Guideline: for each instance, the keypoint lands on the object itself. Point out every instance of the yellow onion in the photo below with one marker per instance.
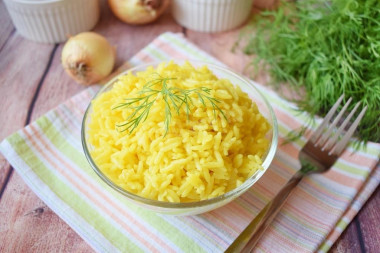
(88, 57)
(138, 12)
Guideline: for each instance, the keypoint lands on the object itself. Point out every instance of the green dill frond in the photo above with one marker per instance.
(322, 49)
(173, 97)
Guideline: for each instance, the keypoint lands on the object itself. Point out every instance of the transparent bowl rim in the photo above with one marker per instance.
(182, 205)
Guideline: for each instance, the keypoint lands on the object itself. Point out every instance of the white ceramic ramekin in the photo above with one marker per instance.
(211, 15)
(52, 21)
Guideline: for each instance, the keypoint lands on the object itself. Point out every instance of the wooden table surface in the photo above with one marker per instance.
(32, 81)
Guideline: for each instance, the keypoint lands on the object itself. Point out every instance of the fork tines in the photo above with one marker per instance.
(327, 138)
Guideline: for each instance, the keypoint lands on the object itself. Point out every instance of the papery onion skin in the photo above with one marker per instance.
(88, 57)
(138, 12)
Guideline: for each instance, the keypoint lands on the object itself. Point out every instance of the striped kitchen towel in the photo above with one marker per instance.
(48, 156)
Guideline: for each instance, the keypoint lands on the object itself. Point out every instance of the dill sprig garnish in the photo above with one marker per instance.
(322, 49)
(174, 97)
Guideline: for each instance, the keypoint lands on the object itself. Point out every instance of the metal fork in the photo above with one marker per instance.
(317, 156)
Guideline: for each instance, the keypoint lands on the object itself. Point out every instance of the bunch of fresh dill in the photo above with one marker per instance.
(324, 49)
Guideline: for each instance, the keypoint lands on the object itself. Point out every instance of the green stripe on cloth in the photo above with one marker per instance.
(129, 228)
(58, 140)
(64, 192)
(356, 171)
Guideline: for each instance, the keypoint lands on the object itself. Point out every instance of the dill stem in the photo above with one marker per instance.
(173, 97)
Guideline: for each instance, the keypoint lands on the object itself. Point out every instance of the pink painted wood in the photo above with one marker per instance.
(32, 82)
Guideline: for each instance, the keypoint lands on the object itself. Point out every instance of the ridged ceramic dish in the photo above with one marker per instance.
(211, 15)
(52, 21)
(192, 208)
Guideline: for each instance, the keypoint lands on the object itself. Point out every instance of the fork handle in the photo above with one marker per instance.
(248, 239)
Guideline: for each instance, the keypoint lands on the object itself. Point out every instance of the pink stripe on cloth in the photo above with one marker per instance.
(304, 198)
(69, 172)
(352, 210)
(311, 220)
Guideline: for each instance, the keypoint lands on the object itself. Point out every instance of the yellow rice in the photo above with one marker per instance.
(201, 156)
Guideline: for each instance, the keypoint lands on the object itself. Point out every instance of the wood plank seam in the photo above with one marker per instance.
(184, 31)
(7, 177)
(360, 234)
(6, 41)
(37, 92)
(30, 110)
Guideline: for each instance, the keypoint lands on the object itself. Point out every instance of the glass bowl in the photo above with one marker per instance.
(192, 208)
